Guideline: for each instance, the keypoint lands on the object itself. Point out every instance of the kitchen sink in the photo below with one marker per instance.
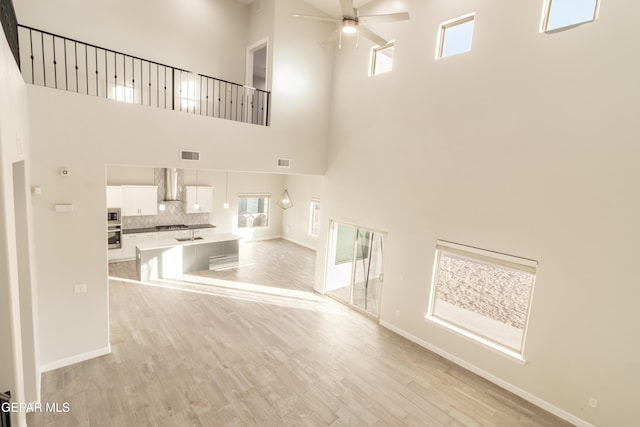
(186, 239)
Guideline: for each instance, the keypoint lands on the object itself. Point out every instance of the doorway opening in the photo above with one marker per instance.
(355, 267)
(257, 78)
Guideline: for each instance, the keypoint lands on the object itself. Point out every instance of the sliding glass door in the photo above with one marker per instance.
(355, 266)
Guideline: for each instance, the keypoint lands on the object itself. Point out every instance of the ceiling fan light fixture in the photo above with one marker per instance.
(349, 26)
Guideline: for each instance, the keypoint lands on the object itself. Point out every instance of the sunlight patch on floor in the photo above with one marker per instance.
(252, 292)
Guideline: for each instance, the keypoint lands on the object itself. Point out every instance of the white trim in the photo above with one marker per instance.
(469, 17)
(289, 239)
(546, 15)
(541, 403)
(512, 261)
(75, 359)
(471, 336)
(249, 62)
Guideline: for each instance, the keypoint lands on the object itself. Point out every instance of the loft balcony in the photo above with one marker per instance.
(62, 63)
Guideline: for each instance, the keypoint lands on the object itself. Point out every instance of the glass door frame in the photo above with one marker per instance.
(331, 256)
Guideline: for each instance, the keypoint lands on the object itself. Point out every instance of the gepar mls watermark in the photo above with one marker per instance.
(60, 407)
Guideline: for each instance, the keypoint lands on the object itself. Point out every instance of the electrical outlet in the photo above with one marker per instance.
(80, 288)
(397, 313)
(593, 402)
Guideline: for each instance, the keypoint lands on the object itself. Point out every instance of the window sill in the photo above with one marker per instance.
(470, 336)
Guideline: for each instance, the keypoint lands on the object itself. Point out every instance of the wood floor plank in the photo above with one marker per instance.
(200, 350)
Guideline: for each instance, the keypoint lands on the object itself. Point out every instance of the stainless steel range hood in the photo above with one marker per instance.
(171, 185)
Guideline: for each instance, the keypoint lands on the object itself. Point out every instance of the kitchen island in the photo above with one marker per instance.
(173, 257)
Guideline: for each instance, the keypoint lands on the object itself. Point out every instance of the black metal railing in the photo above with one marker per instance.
(63, 63)
(5, 410)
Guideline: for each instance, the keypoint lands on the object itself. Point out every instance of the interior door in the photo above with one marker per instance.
(355, 267)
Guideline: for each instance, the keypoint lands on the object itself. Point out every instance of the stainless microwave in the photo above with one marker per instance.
(113, 216)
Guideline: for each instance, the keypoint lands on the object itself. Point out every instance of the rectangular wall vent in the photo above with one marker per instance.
(284, 163)
(189, 155)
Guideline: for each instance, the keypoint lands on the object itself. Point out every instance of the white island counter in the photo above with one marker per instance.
(171, 257)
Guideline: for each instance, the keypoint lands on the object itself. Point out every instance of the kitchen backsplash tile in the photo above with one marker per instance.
(174, 212)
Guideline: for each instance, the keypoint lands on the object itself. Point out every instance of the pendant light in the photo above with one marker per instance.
(226, 192)
(285, 200)
(196, 205)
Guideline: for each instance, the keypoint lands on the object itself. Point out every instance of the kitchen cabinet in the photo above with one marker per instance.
(114, 254)
(138, 200)
(129, 242)
(201, 194)
(204, 232)
(114, 196)
(217, 251)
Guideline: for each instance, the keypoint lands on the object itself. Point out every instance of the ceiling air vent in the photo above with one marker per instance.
(189, 155)
(283, 163)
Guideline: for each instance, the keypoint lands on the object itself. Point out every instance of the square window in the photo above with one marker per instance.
(483, 295)
(455, 36)
(314, 217)
(566, 13)
(253, 211)
(381, 59)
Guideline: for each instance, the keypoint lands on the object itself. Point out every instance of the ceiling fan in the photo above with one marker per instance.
(351, 22)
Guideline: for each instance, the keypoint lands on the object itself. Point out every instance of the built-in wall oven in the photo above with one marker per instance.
(114, 229)
(114, 237)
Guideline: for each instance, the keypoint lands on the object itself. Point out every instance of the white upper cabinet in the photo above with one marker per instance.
(114, 196)
(139, 200)
(201, 196)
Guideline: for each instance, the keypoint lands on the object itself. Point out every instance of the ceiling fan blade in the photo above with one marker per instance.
(367, 33)
(347, 8)
(381, 19)
(317, 18)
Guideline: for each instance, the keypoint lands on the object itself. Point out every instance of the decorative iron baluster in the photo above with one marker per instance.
(66, 76)
(44, 67)
(75, 50)
(86, 65)
(31, 56)
(55, 64)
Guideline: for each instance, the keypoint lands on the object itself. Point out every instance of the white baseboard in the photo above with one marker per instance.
(299, 243)
(75, 359)
(490, 377)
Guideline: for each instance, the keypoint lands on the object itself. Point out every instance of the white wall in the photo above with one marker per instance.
(203, 36)
(16, 340)
(296, 220)
(527, 145)
(301, 88)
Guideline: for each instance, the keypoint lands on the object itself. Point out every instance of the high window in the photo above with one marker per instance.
(314, 217)
(253, 210)
(483, 295)
(566, 13)
(381, 59)
(455, 36)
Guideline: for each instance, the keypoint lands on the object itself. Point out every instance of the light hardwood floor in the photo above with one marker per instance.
(205, 351)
